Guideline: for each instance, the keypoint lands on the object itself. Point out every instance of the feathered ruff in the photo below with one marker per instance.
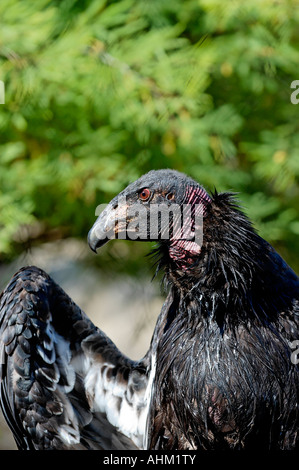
(231, 383)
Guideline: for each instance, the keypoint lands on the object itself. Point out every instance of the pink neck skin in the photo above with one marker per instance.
(183, 250)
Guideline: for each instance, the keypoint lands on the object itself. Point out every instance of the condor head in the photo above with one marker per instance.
(162, 205)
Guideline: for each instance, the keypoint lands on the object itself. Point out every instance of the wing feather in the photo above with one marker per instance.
(63, 383)
(117, 386)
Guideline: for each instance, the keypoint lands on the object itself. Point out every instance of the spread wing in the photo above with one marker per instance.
(63, 383)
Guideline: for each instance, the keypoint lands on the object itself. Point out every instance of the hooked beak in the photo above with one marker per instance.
(93, 241)
(120, 219)
(110, 224)
(103, 229)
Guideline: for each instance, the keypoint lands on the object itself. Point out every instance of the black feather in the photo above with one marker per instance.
(227, 340)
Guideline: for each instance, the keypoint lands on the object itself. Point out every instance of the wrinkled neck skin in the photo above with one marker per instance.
(185, 247)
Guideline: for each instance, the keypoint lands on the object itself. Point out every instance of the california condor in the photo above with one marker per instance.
(222, 368)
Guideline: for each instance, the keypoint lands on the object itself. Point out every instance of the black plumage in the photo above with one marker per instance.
(221, 371)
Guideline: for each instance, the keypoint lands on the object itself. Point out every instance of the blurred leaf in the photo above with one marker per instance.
(99, 92)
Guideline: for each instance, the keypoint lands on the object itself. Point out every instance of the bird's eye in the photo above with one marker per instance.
(169, 196)
(144, 194)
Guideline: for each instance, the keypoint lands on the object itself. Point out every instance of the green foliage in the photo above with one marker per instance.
(99, 92)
